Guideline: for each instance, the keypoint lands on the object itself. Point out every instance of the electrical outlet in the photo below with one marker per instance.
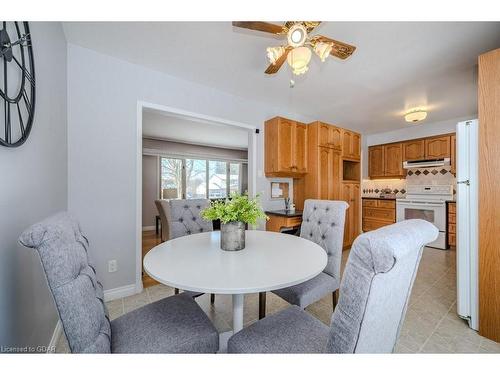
(112, 265)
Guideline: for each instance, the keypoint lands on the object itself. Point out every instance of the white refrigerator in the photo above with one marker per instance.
(467, 221)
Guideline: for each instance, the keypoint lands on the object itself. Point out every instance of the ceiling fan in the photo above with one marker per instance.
(297, 50)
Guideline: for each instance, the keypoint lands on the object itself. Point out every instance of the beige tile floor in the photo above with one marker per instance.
(431, 324)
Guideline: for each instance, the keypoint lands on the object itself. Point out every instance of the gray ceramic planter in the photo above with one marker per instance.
(232, 236)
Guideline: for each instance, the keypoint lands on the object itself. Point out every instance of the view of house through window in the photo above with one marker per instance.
(199, 178)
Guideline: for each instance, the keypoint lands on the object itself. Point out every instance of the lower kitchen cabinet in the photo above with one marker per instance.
(351, 194)
(452, 224)
(378, 213)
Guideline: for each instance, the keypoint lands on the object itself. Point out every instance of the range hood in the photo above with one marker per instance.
(426, 163)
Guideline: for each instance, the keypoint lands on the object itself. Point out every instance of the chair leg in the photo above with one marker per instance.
(212, 298)
(335, 298)
(176, 290)
(262, 305)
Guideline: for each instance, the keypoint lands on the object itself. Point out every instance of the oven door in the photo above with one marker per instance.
(433, 212)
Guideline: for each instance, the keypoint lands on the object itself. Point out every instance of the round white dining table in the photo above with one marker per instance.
(269, 261)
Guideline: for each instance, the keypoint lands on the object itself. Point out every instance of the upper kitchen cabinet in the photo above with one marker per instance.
(285, 148)
(437, 147)
(351, 144)
(414, 150)
(386, 161)
(328, 135)
(393, 160)
(376, 161)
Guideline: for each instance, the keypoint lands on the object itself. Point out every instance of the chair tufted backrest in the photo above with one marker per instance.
(323, 223)
(72, 279)
(183, 217)
(376, 287)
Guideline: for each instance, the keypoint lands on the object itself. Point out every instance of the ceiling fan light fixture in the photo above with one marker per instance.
(297, 35)
(274, 53)
(415, 115)
(323, 50)
(298, 59)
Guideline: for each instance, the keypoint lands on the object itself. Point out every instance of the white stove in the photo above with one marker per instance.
(427, 202)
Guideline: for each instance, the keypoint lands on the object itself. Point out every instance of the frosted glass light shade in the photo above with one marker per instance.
(298, 59)
(323, 50)
(415, 115)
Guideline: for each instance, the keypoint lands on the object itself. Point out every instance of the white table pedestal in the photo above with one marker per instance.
(238, 300)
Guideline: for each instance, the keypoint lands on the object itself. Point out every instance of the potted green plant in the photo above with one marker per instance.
(233, 214)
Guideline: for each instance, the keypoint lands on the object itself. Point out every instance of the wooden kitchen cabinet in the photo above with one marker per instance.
(437, 147)
(299, 147)
(285, 148)
(351, 195)
(414, 150)
(329, 135)
(323, 180)
(452, 224)
(378, 213)
(386, 160)
(376, 161)
(393, 160)
(351, 144)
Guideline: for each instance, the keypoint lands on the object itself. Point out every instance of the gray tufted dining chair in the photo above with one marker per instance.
(174, 324)
(374, 295)
(323, 223)
(181, 217)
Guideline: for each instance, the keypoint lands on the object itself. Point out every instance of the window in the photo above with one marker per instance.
(196, 178)
(199, 178)
(234, 177)
(171, 178)
(217, 179)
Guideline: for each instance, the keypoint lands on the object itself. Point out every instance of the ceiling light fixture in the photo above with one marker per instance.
(415, 115)
(299, 45)
(298, 59)
(323, 50)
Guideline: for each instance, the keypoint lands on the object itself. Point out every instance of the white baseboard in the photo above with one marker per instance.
(120, 292)
(151, 227)
(55, 337)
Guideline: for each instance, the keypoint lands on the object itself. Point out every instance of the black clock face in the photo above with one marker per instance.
(17, 83)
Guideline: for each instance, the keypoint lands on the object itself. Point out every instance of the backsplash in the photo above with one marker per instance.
(430, 176)
(415, 176)
(373, 188)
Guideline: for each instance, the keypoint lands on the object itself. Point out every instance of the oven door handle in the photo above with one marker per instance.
(405, 204)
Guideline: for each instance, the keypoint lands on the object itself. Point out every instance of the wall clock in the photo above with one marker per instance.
(17, 83)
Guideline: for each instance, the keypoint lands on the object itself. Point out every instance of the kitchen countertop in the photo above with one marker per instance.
(296, 213)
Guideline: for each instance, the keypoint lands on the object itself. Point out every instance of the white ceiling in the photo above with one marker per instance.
(160, 125)
(396, 66)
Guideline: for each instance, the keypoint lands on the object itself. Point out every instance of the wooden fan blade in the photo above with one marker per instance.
(273, 68)
(339, 49)
(260, 26)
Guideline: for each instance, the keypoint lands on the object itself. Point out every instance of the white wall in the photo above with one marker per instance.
(33, 186)
(413, 131)
(150, 189)
(102, 146)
